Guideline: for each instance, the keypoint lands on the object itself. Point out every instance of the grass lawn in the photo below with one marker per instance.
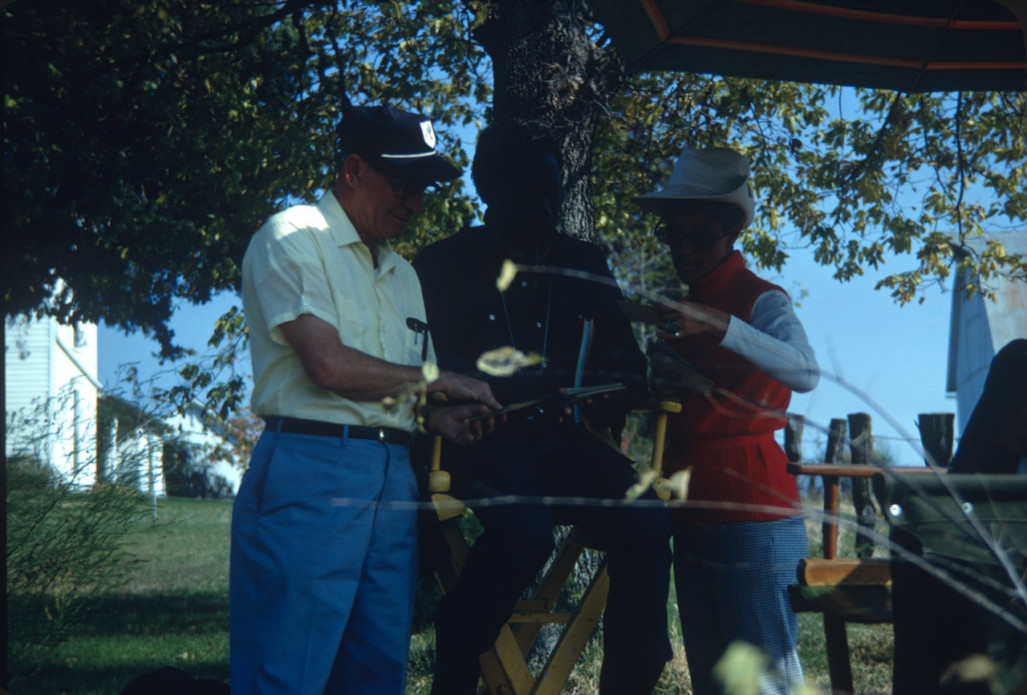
(174, 612)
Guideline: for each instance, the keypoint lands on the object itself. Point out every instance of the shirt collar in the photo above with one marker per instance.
(344, 233)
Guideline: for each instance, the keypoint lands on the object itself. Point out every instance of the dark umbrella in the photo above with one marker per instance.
(904, 45)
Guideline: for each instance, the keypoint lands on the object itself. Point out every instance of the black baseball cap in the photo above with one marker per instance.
(400, 142)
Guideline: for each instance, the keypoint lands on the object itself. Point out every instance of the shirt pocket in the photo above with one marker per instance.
(415, 343)
(379, 333)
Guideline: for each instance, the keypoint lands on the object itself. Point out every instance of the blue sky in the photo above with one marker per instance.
(876, 356)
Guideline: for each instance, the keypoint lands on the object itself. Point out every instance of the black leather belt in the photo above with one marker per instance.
(292, 425)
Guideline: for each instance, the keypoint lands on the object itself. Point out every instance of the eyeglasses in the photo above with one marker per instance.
(700, 237)
(403, 189)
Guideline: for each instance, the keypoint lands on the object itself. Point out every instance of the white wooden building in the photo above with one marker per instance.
(52, 398)
(133, 454)
(203, 434)
(51, 391)
(980, 328)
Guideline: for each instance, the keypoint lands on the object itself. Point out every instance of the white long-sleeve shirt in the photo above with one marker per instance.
(775, 341)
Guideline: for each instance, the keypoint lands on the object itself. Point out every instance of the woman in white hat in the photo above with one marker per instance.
(739, 537)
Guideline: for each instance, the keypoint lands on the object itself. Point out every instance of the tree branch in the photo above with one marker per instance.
(248, 29)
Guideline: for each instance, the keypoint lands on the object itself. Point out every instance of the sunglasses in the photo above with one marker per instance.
(402, 188)
(699, 237)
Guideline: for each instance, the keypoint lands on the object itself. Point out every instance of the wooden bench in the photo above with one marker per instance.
(843, 589)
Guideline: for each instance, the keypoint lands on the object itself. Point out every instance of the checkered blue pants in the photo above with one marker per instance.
(732, 585)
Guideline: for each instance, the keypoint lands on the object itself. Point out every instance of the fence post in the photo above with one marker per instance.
(936, 436)
(862, 446)
(835, 441)
(836, 638)
(793, 437)
(836, 433)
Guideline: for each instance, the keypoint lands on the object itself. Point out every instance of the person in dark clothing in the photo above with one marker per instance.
(517, 175)
(939, 624)
(995, 439)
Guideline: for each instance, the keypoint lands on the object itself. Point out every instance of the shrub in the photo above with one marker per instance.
(64, 547)
(188, 473)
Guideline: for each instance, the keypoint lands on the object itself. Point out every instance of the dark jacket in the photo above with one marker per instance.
(539, 312)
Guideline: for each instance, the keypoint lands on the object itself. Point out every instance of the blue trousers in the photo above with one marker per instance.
(732, 585)
(323, 568)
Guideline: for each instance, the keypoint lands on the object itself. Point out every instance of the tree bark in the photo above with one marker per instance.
(549, 74)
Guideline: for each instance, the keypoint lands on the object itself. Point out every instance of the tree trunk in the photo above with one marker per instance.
(549, 74)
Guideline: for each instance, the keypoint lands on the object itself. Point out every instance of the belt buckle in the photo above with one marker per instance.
(381, 434)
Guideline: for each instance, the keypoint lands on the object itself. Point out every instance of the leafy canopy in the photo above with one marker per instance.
(145, 141)
(852, 176)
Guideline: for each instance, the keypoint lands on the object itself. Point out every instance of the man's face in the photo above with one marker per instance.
(383, 204)
(531, 195)
(697, 245)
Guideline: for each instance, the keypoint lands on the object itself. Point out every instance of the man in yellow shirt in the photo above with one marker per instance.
(323, 562)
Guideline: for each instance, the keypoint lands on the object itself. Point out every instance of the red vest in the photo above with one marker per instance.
(727, 438)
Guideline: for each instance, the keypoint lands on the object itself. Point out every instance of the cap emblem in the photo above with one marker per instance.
(429, 134)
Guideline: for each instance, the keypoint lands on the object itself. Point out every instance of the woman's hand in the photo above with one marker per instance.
(689, 318)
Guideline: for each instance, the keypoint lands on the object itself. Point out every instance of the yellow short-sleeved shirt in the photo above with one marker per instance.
(309, 260)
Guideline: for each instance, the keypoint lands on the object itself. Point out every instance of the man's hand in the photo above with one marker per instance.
(458, 387)
(451, 421)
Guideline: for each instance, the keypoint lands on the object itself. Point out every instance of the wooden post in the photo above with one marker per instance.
(836, 638)
(793, 437)
(835, 441)
(836, 433)
(936, 436)
(862, 445)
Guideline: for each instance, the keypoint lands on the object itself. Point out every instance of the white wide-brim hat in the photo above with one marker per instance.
(716, 173)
